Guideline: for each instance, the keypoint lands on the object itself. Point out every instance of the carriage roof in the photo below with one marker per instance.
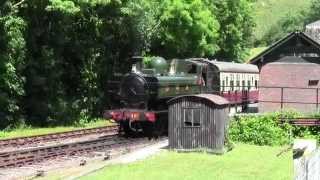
(228, 66)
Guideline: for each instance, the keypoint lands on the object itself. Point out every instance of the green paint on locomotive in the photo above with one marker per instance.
(170, 86)
(174, 83)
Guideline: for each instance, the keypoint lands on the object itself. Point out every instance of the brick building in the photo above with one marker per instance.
(289, 74)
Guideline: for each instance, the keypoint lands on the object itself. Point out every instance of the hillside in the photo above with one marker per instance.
(269, 12)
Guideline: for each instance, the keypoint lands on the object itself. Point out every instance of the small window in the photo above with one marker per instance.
(192, 69)
(313, 82)
(249, 85)
(231, 85)
(243, 84)
(191, 117)
(256, 84)
(238, 84)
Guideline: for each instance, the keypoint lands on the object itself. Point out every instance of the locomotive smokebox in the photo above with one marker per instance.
(133, 90)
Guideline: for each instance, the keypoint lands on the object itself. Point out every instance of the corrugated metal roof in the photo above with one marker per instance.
(234, 67)
(210, 97)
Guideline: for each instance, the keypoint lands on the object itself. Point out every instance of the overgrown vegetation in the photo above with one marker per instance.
(57, 55)
(267, 129)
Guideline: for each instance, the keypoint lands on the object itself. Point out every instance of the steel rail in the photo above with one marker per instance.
(19, 141)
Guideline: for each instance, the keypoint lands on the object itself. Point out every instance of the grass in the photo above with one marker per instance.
(245, 162)
(28, 131)
(269, 12)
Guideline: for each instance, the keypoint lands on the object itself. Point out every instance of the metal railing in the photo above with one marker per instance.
(282, 100)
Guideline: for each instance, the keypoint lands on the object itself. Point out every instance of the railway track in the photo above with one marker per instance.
(24, 157)
(37, 139)
(27, 156)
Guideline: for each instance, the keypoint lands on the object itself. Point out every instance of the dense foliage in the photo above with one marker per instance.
(57, 55)
(266, 129)
(237, 24)
(12, 55)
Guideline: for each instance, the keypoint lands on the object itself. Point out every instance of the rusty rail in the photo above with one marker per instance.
(302, 121)
(19, 141)
(24, 157)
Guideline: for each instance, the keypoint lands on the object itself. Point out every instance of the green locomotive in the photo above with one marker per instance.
(142, 94)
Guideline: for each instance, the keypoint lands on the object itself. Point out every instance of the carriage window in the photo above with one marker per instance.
(222, 86)
(231, 85)
(243, 84)
(227, 81)
(238, 84)
(249, 84)
(191, 117)
(256, 83)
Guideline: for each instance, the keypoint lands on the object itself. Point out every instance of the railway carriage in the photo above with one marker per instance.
(143, 93)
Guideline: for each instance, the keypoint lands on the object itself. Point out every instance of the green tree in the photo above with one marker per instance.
(314, 13)
(188, 29)
(72, 47)
(12, 54)
(236, 20)
(143, 18)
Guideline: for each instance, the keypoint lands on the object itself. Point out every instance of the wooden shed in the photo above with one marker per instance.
(198, 122)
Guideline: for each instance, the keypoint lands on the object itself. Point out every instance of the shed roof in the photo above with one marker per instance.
(215, 99)
(282, 41)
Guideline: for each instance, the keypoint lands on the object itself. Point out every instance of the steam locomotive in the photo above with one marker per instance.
(142, 95)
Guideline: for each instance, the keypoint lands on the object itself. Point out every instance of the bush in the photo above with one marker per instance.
(266, 129)
(258, 129)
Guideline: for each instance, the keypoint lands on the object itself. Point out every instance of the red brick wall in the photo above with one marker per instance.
(292, 76)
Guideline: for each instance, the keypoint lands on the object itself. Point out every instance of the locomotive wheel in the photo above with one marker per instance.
(148, 129)
(160, 127)
(128, 132)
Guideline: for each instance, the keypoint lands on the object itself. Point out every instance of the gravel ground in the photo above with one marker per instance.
(70, 168)
(127, 158)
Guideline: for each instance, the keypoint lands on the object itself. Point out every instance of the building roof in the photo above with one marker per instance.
(215, 99)
(274, 46)
(292, 59)
(313, 25)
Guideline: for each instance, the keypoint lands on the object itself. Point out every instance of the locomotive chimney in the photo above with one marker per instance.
(136, 64)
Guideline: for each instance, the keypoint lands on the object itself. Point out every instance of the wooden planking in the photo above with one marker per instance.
(210, 134)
